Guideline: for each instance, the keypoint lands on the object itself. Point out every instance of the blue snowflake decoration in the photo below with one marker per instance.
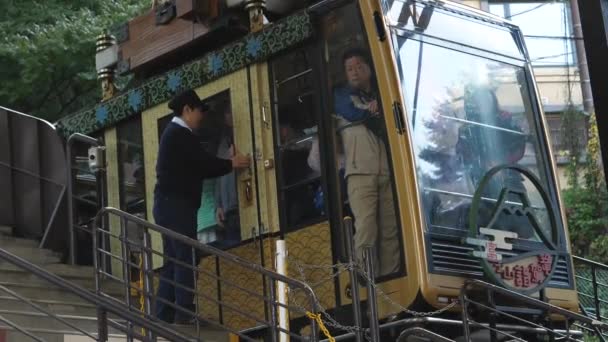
(174, 81)
(254, 46)
(216, 63)
(135, 99)
(101, 114)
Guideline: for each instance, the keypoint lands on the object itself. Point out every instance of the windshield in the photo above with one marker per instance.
(469, 114)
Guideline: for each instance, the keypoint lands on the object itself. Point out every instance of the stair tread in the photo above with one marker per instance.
(42, 302)
(62, 270)
(108, 288)
(16, 241)
(6, 230)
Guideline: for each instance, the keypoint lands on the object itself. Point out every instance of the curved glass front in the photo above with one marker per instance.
(470, 112)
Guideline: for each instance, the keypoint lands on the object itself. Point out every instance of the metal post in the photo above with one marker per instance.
(372, 301)
(465, 314)
(273, 311)
(93, 142)
(102, 325)
(125, 271)
(196, 309)
(581, 55)
(148, 278)
(281, 268)
(594, 24)
(104, 220)
(596, 297)
(354, 283)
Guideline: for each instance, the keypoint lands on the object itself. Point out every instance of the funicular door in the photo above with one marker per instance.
(237, 229)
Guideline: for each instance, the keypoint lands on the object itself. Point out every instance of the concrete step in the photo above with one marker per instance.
(7, 240)
(57, 336)
(56, 306)
(33, 319)
(62, 270)
(42, 291)
(33, 255)
(54, 331)
(6, 230)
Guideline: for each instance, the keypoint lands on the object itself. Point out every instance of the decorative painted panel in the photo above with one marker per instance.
(253, 48)
(307, 247)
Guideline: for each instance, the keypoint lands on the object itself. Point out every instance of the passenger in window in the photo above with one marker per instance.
(226, 201)
(367, 171)
(314, 162)
(493, 138)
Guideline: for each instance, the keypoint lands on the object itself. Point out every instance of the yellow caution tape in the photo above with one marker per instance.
(317, 317)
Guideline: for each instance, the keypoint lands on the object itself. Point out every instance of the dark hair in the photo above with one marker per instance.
(187, 98)
(356, 52)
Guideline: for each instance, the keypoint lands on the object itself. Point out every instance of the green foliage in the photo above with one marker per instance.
(587, 205)
(47, 52)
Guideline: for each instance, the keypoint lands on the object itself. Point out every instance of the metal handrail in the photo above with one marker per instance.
(147, 271)
(421, 332)
(597, 301)
(101, 302)
(492, 290)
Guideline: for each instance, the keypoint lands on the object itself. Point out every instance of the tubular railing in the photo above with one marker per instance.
(592, 287)
(103, 304)
(478, 301)
(245, 298)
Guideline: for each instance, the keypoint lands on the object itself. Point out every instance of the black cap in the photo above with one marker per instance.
(188, 97)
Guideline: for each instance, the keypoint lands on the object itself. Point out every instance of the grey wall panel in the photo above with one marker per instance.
(6, 179)
(25, 142)
(53, 167)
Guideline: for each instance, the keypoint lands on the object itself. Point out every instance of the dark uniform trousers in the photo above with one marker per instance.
(178, 215)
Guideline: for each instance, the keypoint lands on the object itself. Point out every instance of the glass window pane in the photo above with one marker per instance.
(467, 117)
(296, 126)
(455, 28)
(545, 25)
(131, 167)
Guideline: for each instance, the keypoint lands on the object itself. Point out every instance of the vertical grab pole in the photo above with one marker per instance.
(281, 268)
(372, 301)
(354, 284)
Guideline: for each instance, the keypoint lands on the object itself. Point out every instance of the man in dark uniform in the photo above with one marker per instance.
(181, 167)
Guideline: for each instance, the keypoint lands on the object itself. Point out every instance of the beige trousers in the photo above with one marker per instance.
(371, 201)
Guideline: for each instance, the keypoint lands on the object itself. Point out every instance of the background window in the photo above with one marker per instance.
(546, 26)
(131, 168)
(301, 189)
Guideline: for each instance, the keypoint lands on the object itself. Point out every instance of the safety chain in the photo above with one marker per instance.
(328, 321)
(317, 317)
(400, 307)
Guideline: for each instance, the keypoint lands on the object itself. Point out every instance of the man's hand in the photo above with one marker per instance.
(239, 161)
(219, 217)
(373, 108)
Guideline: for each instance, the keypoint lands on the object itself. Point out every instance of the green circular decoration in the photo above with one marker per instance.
(551, 242)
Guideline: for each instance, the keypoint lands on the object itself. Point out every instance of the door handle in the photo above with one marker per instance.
(248, 190)
(264, 117)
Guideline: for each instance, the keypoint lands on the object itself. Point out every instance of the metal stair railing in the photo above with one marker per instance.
(102, 303)
(592, 287)
(479, 301)
(232, 306)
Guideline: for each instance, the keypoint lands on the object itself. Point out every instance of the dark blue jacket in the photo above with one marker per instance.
(183, 164)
